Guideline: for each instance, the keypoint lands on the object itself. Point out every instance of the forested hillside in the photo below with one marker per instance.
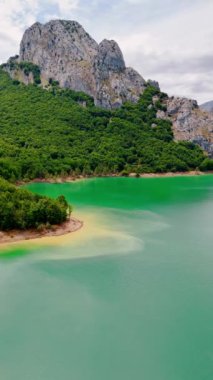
(56, 132)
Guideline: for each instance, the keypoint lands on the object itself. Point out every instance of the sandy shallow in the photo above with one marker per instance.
(79, 231)
(96, 238)
(7, 238)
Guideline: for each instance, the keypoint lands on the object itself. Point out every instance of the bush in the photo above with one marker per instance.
(207, 164)
(125, 173)
(28, 68)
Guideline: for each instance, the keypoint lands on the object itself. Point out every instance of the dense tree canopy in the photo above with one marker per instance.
(55, 132)
(21, 209)
(60, 132)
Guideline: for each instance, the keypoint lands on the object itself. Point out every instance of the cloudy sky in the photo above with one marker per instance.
(167, 40)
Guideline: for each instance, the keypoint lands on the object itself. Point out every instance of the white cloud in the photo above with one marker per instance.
(170, 41)
(136, 1)
(173, 50)
(17, 15)
(67, 6)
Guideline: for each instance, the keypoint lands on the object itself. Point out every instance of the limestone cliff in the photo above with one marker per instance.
(208, 106)
(66, 53)
(190, 123)
(63, 51)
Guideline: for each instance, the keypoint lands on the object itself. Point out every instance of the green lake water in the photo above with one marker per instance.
(131, 298)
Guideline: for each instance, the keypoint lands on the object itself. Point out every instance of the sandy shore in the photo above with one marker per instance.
(68, 179)
(169, 174)
(58, 230)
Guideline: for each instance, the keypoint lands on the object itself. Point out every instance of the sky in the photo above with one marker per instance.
(170, 41)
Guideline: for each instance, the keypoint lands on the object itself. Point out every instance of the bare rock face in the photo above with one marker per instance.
(63, 51)
(66, 53)
(109, 59)
(208, 106)
(115, 83)
(190, 123)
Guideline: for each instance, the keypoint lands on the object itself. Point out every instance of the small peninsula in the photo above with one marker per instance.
(25, 215)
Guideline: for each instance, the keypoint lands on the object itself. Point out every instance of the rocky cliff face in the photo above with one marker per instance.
(190, 123)
(66, 53)
(208, 106)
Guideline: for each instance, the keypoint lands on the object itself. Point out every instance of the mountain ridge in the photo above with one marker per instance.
(49, 133)
(207, 106)
(62, 53)
(65, 52)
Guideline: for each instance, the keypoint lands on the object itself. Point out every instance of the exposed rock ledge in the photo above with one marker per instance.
(65, 52)
(190, 123)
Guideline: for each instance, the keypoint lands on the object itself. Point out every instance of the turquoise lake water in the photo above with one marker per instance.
(130, 296)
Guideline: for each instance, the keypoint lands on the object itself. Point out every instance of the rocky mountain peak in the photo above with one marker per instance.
(110, 56)
(65, 52)
(57, 38)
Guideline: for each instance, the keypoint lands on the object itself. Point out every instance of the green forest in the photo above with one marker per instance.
(21, 209)
(59, 132)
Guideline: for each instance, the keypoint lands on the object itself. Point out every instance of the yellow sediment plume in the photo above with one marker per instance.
(96, 237)
(90, 228)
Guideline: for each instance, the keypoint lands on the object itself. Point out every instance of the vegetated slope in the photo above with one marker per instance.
(61, 51)
(47, 133)
(189, 122)
(21, 209)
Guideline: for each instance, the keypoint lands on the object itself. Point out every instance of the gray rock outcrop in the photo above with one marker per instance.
(189, 122)
(66, 53)
(208, 106)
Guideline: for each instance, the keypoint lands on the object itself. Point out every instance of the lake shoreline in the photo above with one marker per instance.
(17, 236)
(73, 225)
(67, 179)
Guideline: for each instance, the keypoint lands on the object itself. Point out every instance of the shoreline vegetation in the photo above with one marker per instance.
(14, 236)
(69, 178)
(50, 134)
(73, 224)
(25, 215)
